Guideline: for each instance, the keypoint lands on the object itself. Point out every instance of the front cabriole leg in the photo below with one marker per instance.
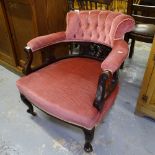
(89, 135)
(30, 107)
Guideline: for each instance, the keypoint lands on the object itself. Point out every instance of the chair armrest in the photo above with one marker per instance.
(116, 57)
(47, 40)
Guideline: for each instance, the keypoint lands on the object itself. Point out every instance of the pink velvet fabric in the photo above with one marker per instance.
(116, 57)
(98, 26)
(67, 91)
(44, 41)
(93, 26)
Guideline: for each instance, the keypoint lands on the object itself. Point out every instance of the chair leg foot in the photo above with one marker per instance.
(31, 112)
(89, 135)
(88, 147)
(30, 107)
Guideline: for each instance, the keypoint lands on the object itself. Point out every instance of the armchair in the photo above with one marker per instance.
(78, 89)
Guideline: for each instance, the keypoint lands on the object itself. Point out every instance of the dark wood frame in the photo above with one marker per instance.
(106, 85)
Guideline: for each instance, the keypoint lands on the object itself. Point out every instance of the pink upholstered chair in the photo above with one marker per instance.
(78, 89)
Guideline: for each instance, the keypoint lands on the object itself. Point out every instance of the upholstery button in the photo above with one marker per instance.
(103, 29)
(82, 34)
(74, 35)
(88, 25)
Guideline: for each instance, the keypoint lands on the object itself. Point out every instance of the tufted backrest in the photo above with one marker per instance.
(98, 26)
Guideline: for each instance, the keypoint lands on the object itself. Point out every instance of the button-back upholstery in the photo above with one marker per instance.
(103, 27)
(97, 26)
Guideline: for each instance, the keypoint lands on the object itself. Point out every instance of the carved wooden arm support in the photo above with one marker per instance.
(106, 84)
(29, 58)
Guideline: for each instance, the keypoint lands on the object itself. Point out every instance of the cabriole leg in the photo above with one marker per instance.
(89, 135)
(30, 107)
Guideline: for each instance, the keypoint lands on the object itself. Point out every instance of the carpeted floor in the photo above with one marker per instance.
(121, 133)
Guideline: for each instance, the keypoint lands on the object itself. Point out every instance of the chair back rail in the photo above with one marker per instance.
(143, 19)
(141, 13)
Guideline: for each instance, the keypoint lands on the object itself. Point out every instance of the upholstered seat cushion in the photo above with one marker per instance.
(144, 30)
(66, 90)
